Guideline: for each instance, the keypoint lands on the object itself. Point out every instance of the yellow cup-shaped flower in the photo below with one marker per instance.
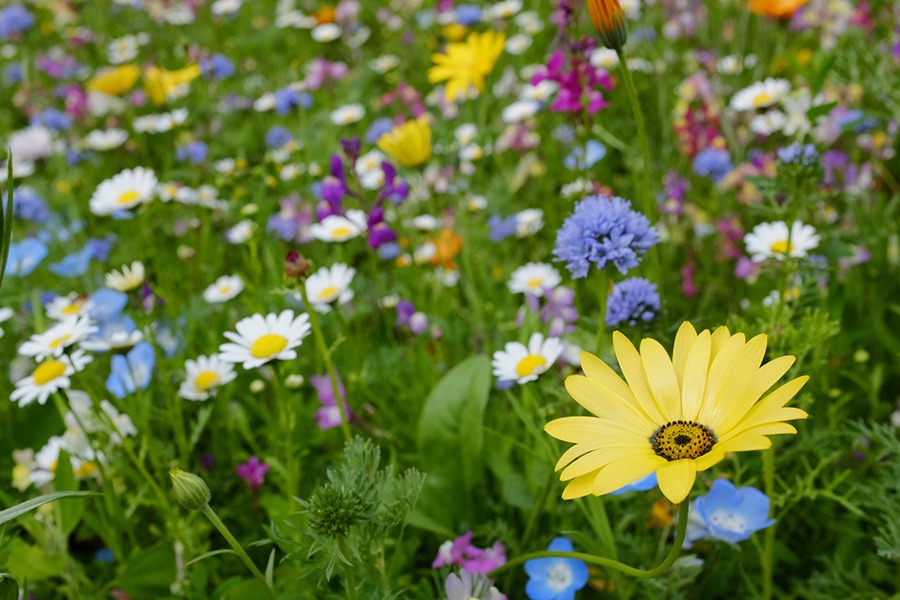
(159, 83)
(776, 9)
(672, 416)
(115, 82)
(609, 22)
(409, 144)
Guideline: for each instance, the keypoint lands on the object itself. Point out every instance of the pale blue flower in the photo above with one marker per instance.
(555, 578)
(131, 371)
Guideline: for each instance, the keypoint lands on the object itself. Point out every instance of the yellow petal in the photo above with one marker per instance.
(581, 429)
(719, 337)
(696, 371)
(608, 404)
(684, 341)
(771, 428)
(744, 399)
(709, 459)
(718, 371)
(676, 478)
(579, 487)
(745, 443)
(620, 473)
(633, 369)
(600, 458)
(661, 379)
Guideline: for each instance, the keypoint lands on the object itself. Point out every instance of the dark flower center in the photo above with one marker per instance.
(682, 439)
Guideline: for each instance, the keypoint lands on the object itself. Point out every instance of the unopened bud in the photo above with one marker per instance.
(296, 266)
(608, 20)
(191, 491)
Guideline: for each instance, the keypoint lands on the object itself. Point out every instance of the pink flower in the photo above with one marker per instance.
(253, 472)
(460, 552)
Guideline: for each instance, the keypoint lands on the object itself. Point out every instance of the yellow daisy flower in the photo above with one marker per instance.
(467, 64)
(410, 143)
(115, 81)
(672, 416)
(161, 84)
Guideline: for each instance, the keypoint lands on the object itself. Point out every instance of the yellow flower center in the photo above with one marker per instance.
(224, 289)
(682, 439)
(267, 345)
(331, 290)
(535, 282)
(528, 365)
(48, 371)
(206, 379)
(762, 99)
(781, 247)
(341, 231)
(86, 470)
(72, 309)
(60, 340)
(128, 196)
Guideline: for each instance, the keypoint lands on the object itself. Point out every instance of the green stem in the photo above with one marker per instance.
(767, 558)
(604, 296)
(649, 204)
(656, 571)
(351, 578)
(329, 365)
(286, 425)
(236, 546)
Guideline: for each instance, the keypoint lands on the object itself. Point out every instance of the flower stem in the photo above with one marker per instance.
(329, 365)
(286, 425)
(236, 546)
(604, 296)
(656, 571)
(767, 558)
(649, 204)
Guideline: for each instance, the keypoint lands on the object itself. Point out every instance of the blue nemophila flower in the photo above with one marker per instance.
(603, 230)
(52, 119)
(729, 513)
(278, 136)
(555, 578)
(73, 265)
(28, 205)
(24, 257)
(585, 157)
(195, 152)
(501, 228)
(131, 371)
(713, 163)
(633, 300)
(796, 153)
(648, 482)
(106, 304)
(217, 66)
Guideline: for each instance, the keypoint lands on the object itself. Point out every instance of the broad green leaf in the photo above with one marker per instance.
(33, 563)
(9, 587)
(20, 509)
(68, 514)
(6, 221)
(818, 111)
(148, 572)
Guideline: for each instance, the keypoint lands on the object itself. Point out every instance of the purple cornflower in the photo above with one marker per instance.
(408, 316)
(603, 230)
(461, 552)
(253, 472)
(675, 189)
(292, 222)
(631, 301)
(713, 163)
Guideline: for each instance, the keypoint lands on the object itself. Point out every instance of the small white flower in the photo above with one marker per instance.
(241, 232)
(384, 63)
(529, 222)
(518, 44)
(534, 279)
(55, 341)
(126, 190)
(30, 144)
(425, 222)
(225, 288)
(768, 123)
(520, 363)
(63, 307)
(204, 375)
(326, 32)
(465, 134)
(729, 65)
(503, 9)
(260, 339)
(337, 228)
(604, 58)
(760, 95)
(122, 49)
(129, 279)
(520, 110)
(330, 285)
(775, 240)
(105, 139)
(5, 314)
(348, 114)
(48, 377)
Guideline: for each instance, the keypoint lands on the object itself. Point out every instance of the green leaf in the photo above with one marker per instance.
(148, 572)
(818, 111)
(33, 563)
(68, 514)
(9, 587)
(203, 416)
(450, 438)
(20, 509)
(211, 553)
(6, 222)
(516, 492)
(270, 569)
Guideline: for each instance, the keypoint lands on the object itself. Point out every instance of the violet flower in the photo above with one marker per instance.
(253, 472)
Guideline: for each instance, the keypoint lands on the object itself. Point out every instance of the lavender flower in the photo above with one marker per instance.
(713, 163)
(278, 136)
(603, 230)
(798, 154)
(253, 472)
(501, 228)
(632, 300)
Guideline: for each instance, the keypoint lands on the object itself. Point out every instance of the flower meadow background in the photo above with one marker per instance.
(319, 272)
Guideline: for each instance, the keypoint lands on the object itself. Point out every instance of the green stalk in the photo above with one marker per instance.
(236, 546)
(649, 204)
(767, 560)
(603, 297)
(609, 563)
(286, 425)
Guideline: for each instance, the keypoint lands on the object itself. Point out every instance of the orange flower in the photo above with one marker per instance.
(447, 245)
(776, 9)
(324, 15)
(609, 21)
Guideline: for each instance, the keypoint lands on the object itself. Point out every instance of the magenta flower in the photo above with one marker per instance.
(253, 472)
(329, 415)
(461, 552)
(578, 80)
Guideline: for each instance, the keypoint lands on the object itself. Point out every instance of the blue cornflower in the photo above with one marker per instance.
(643, 484)
(73, 265)
(586, 157)
(13, 74)
(378, 128)
(603, 230)
(28, 205)
(555, 578)
(14, 19)
(194, 152)
(468, 14)
(24, 257)
(100, 247)
(632, 300)
(52, 119)
(217, 66)
(731, 514)
(132, 371)
(796, 153)
(278, 136)
(502, 228)
(713, 163)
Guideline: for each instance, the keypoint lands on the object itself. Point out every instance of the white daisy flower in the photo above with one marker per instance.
(384, 63)
(48, 377)
(530, 22)
(71, 305)
(241, 232)
(264, 103)
(775, 240)
(729, 65)
(760, 95)
(604, 58)
(348, 114)
(204, 375)
(114, 336)
(43, 468)
(534, 279)
(425, 222)
(122, 49)
(82, 413)
(337, 228)
(465, 134)
(260, 339)
(542, 92)
(124, 191)
(519, 111)
(222, 8)
(225, 288)
(768, 123)
(105, 139)
(326, 32)
(31, 144)
(520, 363)
(58, 338)
(368, 162)
(5, 314)
(796, 107)
(529, 222)
(518, 44)
(130, 278)
(330, 285)
(504, 9)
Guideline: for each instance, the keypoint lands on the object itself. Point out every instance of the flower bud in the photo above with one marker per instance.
(609, 22)
(191, 491)
(296, 266)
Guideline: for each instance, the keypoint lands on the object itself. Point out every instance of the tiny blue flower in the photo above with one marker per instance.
(218, 66)
(585, 158)
(555, 578)
(73, 265)
(106, 304)
(132, 371)
(796, 153)
(28, 205)
(631, 301)
(502, 228)
(278, 136)
(733, 514)
(14, 19)
(24, 257)
(194, 152)
(378, 128)
(468, 14)
(713, 163)
(52, 119)
(603, 230)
